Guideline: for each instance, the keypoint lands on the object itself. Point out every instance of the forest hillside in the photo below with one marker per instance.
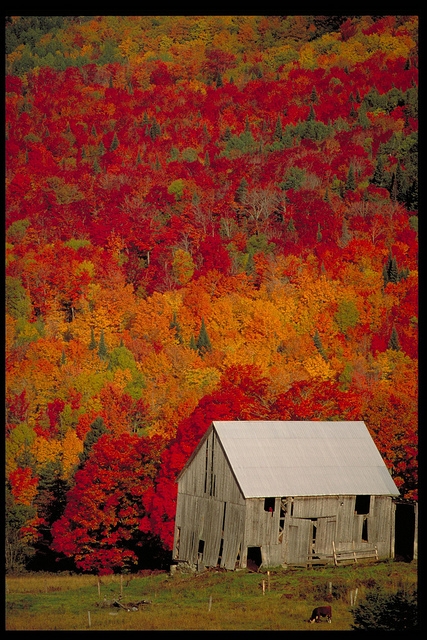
(207, 217)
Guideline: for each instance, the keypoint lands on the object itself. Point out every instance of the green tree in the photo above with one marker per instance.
(17, 549)
(378, 177)
(241, 190)
(381, 611)
(278, 131)
(314, 97)
(345, 233)
(347, 315)
(175, 325)
(97, 428)
(394, 343)
(318, 344)
(17, 230)
(93, 343)
(102, 347)
(203, 343)
(350, 184)
(311, 114)
(114, 142)
(18, 303)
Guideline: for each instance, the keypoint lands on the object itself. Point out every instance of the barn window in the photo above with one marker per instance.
(269, 504)
(362, 505)
(201, 547)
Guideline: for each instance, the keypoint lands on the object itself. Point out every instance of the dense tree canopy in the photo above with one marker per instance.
(206, 217)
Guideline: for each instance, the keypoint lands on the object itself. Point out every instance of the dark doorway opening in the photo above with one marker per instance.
(404, 532)
(254, 559)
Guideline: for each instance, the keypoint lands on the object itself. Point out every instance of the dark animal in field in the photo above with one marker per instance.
(321, 612)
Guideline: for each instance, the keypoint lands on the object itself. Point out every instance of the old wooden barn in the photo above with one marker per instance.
(278, 493)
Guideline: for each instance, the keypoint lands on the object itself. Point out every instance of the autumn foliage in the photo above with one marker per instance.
(210, 217)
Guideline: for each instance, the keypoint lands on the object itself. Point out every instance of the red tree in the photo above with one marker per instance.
(100, 527)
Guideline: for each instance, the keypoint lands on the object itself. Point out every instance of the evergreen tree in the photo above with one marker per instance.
(394, 343)
(362, 117)
(175, 325)
(345, 233)
(313, 97)
(381, 611)
(193, 344)
(114, 142)
(63, 358)
(291, 226)
(203, 343)
(97, 428)
(378, 177)
(250, 264)
(311, 116)
(401, 187)
(278, 131)
(241, 190)
(93, 344)
(227, 134)
(319, 346)
(350, 185)
(102, 347)
(393, 271)
(154, 130)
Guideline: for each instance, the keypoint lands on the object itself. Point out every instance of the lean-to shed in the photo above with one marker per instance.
(278, 493)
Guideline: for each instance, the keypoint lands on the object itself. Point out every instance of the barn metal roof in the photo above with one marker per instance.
(298, 458)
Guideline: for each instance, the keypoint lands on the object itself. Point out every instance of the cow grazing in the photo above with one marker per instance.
(321, 612)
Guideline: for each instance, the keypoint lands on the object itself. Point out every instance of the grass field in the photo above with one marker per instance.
(281, 599)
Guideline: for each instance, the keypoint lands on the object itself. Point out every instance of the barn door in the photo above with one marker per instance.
(299, 540)
(325, 534)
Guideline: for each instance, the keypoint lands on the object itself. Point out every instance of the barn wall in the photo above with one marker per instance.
(262, 529)
(303, 525)
(209, 523)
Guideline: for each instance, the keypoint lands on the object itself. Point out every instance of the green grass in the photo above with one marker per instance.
(206, 601)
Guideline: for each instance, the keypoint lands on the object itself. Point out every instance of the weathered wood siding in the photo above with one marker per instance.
(262, 530)
(312, 524)
(209, 523)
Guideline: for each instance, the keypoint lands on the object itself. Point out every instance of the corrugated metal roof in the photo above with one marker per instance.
(298, 458)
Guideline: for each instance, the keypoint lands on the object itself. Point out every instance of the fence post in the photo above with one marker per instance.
(88, 617)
